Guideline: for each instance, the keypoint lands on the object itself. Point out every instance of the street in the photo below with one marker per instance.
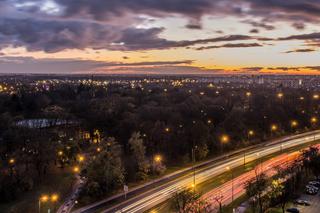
(150, 198)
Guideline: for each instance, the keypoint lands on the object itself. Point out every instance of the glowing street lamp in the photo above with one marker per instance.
(42, 199)
(60, 153)
(167, 129)
(209, 121)
(280, 95)
(54, 198)
(316, 96)
(12, 161)
(229, 169)
(157, 158)
(251, 133)
(274, 127)
(224, 139)
(80, 158)
(294, 124)
(314, 120)
(76, 169)
(248, 94)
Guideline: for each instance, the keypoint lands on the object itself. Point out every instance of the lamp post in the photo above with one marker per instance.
(194, 167)
(232, 188)
(157, 159)
(45, 198)
(42, 199)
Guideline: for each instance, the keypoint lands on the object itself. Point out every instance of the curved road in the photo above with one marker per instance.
(145, 197)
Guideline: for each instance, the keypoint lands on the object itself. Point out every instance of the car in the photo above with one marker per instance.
(302, 202)
(315, 183)
(293, 210)
(311, 191)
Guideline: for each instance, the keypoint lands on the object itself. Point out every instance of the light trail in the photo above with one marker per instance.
(147, 200)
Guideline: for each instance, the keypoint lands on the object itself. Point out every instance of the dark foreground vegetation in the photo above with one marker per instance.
(125, 132)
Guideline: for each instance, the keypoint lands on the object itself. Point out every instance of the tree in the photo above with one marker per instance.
(255, 189)
(187, 201)
(139, 152)
(218, 198)
(106, 171)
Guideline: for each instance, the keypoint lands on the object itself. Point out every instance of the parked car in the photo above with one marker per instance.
(302, 202)
(293, 210)
(311, 190)
(314, 183)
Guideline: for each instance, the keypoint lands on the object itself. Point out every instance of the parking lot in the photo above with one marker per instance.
(313, 208)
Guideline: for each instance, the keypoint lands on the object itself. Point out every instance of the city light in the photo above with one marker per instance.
(54, 197)
(167, 129)
(280, 95)
(60, 153)
(157, 158)
(12, 161)
(248, 94)
(294, 123)
(316, 96)
(274, 127)
(224, 138)
(81, 158)
(314, 120)
(251, 132)
(76, 169)
(44, 198)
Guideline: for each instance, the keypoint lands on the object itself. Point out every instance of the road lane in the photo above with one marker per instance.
(158, 194)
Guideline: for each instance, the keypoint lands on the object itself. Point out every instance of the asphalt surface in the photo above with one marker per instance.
(156, 192)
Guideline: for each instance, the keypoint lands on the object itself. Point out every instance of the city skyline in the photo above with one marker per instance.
(159, 37)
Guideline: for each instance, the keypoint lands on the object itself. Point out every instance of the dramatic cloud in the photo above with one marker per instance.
(260, 25)
(252, 69)
(54, 36)
(300, 51)
(32, 65)
(310, 36)
(231, 46)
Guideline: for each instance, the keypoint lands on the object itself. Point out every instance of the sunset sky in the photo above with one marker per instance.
(160, 36)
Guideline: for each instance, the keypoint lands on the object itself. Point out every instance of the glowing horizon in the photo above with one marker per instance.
(160, 37)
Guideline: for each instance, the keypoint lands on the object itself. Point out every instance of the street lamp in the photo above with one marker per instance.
(43, 199)
(76, 169)
(80, 158)
(194, 166)
(224, 139)
(54, 198)
(280, 95)
(12, 161)
(156, 160)
(274, 127)
(248, 94)
(229, 169)
(294, 124)
(314, 120)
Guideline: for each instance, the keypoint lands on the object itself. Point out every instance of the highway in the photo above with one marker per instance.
(158, 193)
(225, 192)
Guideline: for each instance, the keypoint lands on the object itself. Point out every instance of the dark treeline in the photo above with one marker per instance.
(138, 123)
